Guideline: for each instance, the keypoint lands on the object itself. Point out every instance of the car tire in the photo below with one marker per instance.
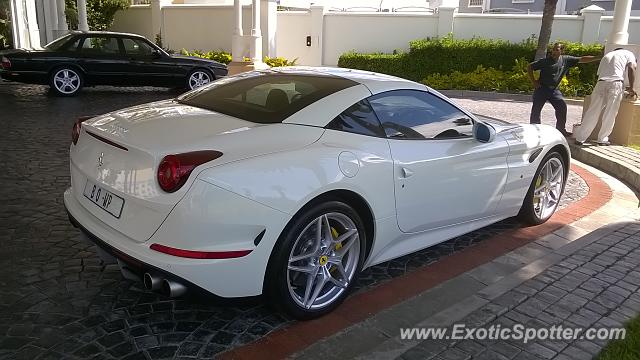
(309, 276)
(66, 81)
(198, 78)
(545, 190)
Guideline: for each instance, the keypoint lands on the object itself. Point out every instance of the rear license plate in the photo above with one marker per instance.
(104, 199)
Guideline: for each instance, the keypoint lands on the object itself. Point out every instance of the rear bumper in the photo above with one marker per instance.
(229, 278)
(24, 77)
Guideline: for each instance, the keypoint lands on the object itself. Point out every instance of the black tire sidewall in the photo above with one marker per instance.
(277, 289)
(56, 91)
(527, 212)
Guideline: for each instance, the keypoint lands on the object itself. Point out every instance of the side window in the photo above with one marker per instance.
(136, 47)
(72, 46)
(413, 114)
(359, 118)
(100, 45)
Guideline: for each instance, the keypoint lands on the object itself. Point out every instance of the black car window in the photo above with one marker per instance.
(72, 45)
(414, 114)
(265, 97)
(359, 118)
(136, 47)
(57, 44)
(100, 45)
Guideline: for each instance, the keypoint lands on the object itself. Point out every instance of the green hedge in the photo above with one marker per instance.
(225, 57)
(447, 55)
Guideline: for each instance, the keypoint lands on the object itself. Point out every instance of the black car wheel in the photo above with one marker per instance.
(66, 81)
(199, 77)
(317, 260)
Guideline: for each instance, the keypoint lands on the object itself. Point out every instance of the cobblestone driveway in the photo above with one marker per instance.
(58, 301)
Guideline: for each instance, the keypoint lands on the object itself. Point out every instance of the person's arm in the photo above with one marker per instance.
(631, 71)
(589, 58)
(534, 82)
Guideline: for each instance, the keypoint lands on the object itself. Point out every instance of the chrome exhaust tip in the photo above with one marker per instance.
(172, 289)
(152, 282)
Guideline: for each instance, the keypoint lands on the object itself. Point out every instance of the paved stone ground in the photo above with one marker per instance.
(58, 301)
(595, 287)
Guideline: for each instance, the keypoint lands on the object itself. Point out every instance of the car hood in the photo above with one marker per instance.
(167, 127)
(497, 124)
(195, 59)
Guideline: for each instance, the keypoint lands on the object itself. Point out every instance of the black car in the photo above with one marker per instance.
(105, 58)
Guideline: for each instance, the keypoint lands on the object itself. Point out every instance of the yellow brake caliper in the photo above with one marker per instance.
(538, 183)
(334, 234)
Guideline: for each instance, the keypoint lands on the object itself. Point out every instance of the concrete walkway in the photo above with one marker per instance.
(582, 275)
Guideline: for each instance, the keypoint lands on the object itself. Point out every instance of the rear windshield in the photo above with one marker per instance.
(58, 43)
(265, 97)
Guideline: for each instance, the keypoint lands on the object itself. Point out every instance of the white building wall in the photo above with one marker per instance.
(291, 36)
(209, 27)
(135, 20)
(345, 32)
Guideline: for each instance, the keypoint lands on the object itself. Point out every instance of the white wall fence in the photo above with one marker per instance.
(209, 27)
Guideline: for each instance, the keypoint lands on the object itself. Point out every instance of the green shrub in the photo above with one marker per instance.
(225, 57)
(453, 58)
(513, 81)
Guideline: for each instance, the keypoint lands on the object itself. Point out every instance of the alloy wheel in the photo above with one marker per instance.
(548, 188)
(323, 261)
(198, 78)
(66, 81)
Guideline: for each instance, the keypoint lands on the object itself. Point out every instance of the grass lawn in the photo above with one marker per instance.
(627, 349)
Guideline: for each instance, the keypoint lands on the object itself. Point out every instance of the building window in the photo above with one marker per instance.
(475, 3)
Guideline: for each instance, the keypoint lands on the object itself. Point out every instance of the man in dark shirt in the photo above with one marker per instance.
(552, 69)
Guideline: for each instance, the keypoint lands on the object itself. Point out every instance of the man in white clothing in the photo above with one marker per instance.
(607, 95)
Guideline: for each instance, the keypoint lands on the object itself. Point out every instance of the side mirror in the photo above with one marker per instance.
(483, 132)
(156, 54)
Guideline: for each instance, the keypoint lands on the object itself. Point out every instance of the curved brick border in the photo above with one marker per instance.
(284, 342)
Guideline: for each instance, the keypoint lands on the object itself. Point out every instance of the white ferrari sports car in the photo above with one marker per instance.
(289, 182)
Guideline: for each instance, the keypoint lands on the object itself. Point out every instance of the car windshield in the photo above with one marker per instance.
(58, 43)
(265, 97)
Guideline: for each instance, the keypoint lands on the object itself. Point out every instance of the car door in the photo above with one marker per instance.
(103, 60)
(148, 65)
(442, 174)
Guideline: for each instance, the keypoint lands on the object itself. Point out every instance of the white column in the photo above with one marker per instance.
(82, 15)
(15, 34)
(446, 15)
(32, 25)
(237, 48)
(269, 20)
(256, 34)
(52, 20)
(592, 16)
(619, 31)
(62, 18)
(316, 56)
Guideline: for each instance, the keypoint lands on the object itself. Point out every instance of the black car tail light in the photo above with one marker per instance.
(6, 63)
(174, 170)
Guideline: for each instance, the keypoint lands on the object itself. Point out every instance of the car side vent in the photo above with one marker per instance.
(259, 237)
(535, 155)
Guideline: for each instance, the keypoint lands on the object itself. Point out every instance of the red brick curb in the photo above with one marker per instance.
(284, 342)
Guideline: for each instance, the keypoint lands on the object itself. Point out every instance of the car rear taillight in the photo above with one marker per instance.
(75, 132)
(6, 63)
(174, 170)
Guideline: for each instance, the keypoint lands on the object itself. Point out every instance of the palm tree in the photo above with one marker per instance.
(545, 28)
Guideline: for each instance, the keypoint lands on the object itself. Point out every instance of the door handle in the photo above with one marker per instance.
(406, 172)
